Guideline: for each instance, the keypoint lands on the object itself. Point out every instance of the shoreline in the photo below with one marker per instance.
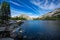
(14, 25)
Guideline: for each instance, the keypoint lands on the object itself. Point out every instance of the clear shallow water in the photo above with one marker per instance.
(41, 30)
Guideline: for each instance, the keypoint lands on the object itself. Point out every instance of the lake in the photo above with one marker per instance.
(41, 30)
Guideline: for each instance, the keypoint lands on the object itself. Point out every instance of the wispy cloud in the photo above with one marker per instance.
(15, 3)
(51, 6)
(15, 12)
(25, 5)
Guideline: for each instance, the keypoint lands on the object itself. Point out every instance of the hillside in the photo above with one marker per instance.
(54, 15)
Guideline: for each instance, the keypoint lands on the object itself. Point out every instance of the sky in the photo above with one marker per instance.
(32, 8)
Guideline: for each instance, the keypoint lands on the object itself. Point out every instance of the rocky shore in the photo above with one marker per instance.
(11, 32)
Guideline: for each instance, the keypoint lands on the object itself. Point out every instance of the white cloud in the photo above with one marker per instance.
(33, 16)
(26, 5)
(15, 12)
(15, 3)
(35, 10)
(51, 6)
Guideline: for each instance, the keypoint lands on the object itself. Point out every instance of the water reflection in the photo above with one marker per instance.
(41, 30)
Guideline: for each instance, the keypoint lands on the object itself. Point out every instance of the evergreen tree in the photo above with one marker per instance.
(5, 12)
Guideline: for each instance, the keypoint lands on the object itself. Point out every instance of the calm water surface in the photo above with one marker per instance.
(41, 30)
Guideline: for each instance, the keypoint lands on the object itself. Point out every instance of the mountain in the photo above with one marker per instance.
(22, 17)
(54, 15)
(25, 16)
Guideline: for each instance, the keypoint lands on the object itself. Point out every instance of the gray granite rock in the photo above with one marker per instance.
(6, 39)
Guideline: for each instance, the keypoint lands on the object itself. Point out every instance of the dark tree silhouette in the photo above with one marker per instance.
(5, 11)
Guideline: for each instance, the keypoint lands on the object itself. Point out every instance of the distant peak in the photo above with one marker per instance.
(57, 9)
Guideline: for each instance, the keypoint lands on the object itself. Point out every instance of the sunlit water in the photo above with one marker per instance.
(41, 30)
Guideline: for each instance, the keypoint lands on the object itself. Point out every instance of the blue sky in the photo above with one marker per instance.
(32, 7)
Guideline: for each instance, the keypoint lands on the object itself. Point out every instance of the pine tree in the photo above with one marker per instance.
(5, 11)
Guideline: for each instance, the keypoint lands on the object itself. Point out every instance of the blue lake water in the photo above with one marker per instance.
(41, 30)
